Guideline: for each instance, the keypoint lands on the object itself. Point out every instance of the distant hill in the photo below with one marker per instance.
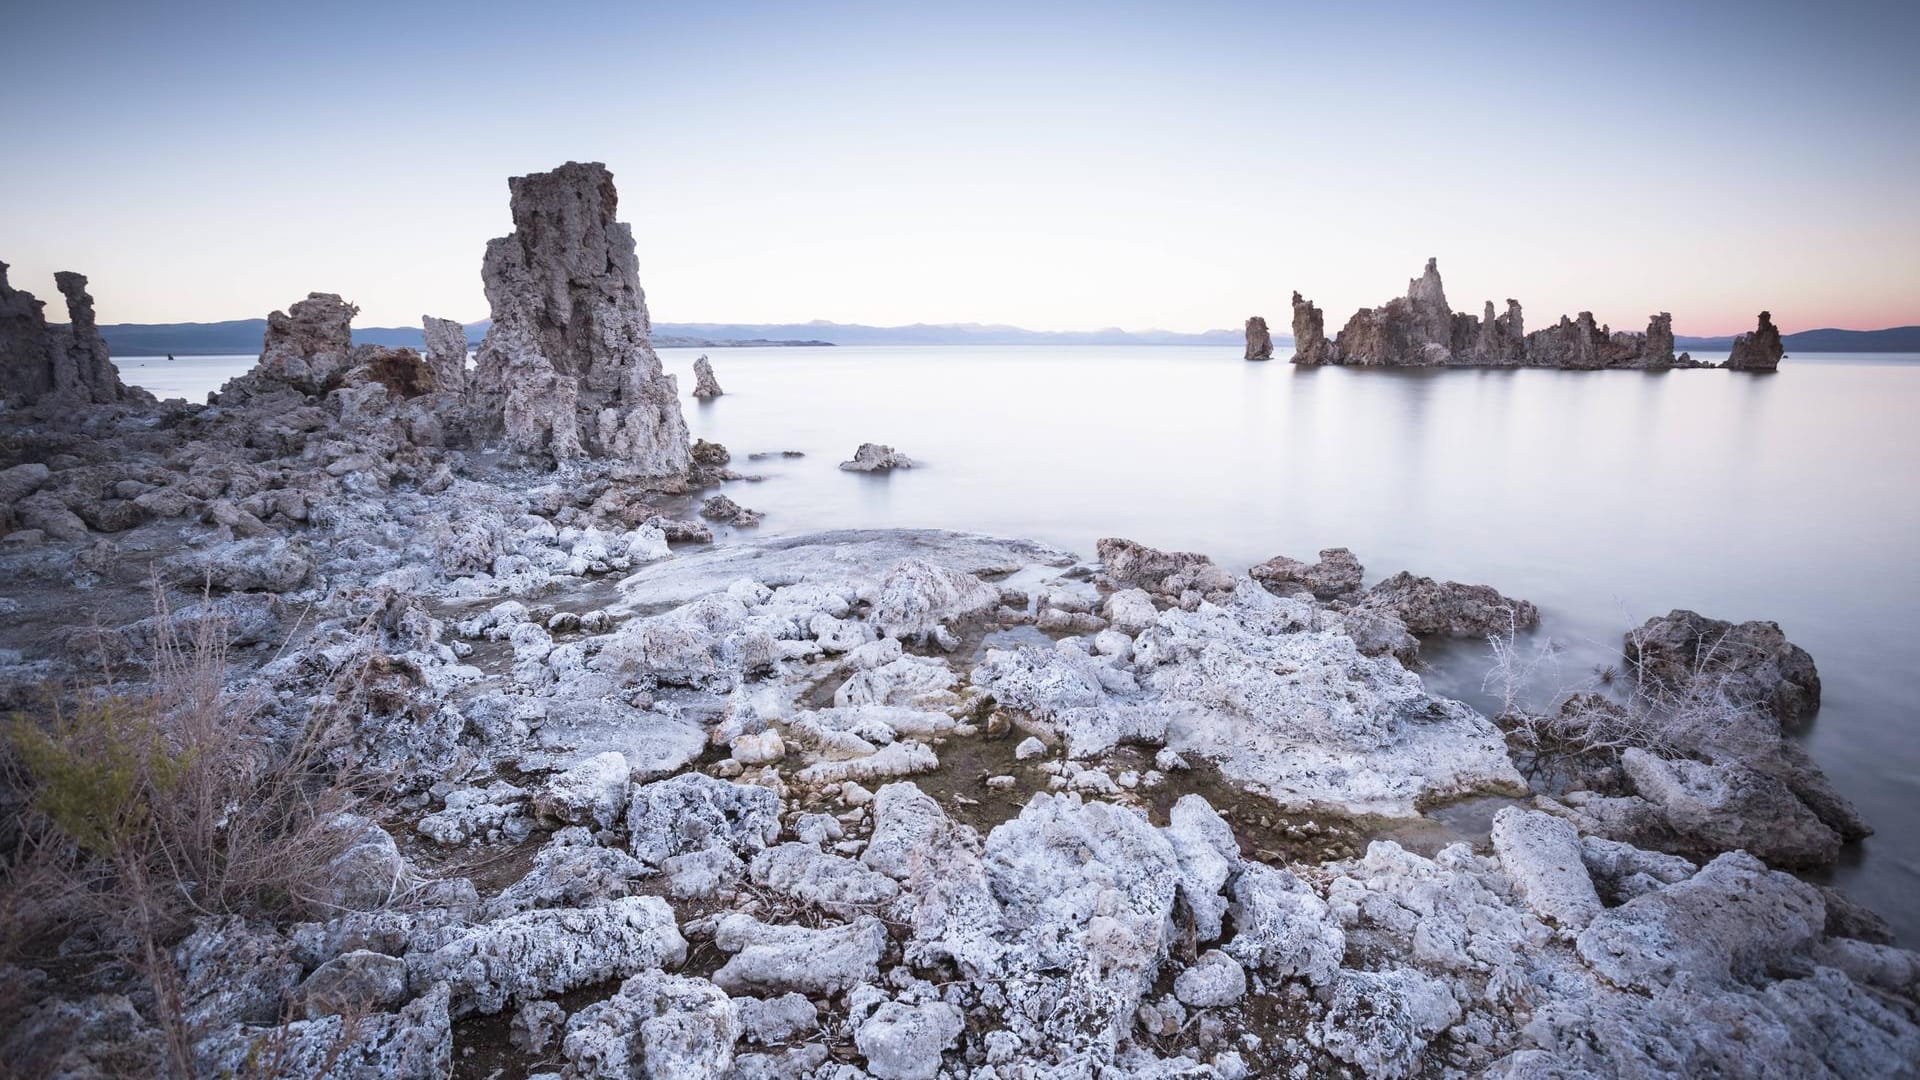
(241, 337)
(1892, 339)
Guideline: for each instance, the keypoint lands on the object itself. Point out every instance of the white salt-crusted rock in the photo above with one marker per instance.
(571, 871)
(1282, 927)
(1204, 847)
(833, 884)
(415, 1043)
(1684, 929)
(905, 758)
(776, 1019)
(904, 1041)
(1381, 1021)
(658, 1025)
(693, 811)
(1288, 708)
(541, 953)
(1543, 854)
(1071, 974)
(919, 599)
(771, 959)
(591, 792)
(1215, 979)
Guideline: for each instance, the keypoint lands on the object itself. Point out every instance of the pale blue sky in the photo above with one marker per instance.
(1177, 165)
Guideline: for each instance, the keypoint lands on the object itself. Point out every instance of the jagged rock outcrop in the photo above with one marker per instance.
(1758, 351)
(876, 457)
(65, 363)
(568, 368)
(1310, 344)
(446, 352)
(309, 350)
(1751, 663)
(1420, 329)
(705, 386)
(1259, 341)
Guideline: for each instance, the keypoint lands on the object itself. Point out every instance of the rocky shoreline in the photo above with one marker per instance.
(655, 797)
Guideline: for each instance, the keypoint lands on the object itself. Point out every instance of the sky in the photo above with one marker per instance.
(1054, 166)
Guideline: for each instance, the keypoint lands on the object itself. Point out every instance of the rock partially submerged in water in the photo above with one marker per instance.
(876, 457)
(705, 386)
(1185, 577)
(1448, 608)
(1760, 350)
(1259, 340)
(1310, 344)
(568, 368)
(727, 512)
(1336, 576)
(1421, 329)
(1751, 663)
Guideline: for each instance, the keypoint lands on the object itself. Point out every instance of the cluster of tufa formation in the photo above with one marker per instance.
(1421, 329)
(56, 364)
(1760, 350)
(568, 367)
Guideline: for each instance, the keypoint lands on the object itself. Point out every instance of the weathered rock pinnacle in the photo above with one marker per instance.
(704, 384)
(1310, 345)
(1759, 351)
(567, 367)
(65, 363)
(1259, 341)
(446, 352)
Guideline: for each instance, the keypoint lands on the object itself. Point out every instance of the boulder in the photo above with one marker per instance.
(1448, 608)
(904, 1042)
(705, 386)
(692, 811)
(876, 457)
(1749, 664)
(1259, 340)
(658, 1025)
(1336, 576)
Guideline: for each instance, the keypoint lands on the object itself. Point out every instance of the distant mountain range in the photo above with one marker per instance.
(1892, 339)
(243, 336)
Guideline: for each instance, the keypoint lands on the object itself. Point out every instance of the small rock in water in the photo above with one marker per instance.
(705, 386)
(877, 457)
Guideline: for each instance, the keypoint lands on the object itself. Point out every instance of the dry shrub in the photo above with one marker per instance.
(1580, 727)
(141, 808)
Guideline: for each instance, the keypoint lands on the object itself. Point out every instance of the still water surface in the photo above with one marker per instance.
(1603, 497)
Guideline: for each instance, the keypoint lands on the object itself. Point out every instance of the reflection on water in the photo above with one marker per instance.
(1604, 497)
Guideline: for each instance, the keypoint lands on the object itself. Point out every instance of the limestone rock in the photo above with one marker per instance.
(705, 386)
(658, 1025)
(1336, 576)
(567, 367)
(1760, 350)
(904, 1042)
(1543, 854)
(64, 363)
(770, 959)
(1179, 575)
(1728, 806)
(693, 811)
(446, 353)
(1684, 929)
(541, 953)
(1448, 608)
(1381, 1021)
(1310, 344)
(1282, 927)
(1753, 662)
(1259, 341)
(876, 457)
(1213, 981)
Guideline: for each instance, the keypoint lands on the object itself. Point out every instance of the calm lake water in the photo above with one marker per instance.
(1603, 497)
